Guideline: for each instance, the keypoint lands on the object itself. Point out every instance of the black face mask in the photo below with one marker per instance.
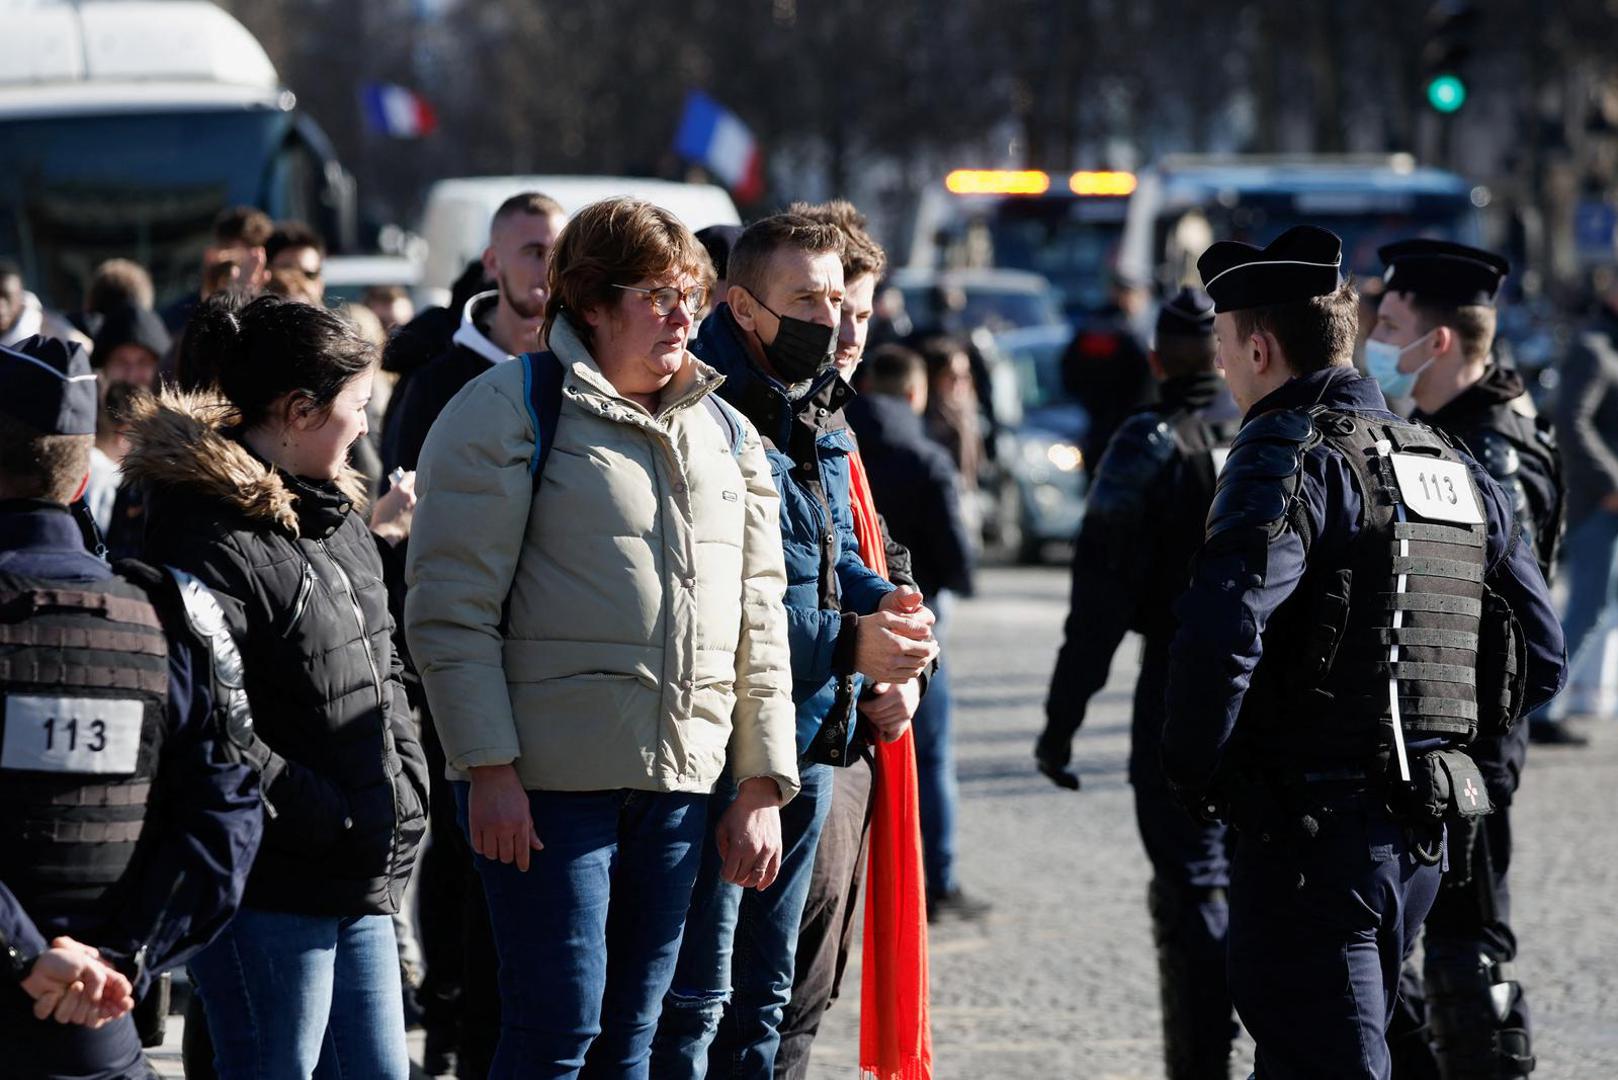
(801, 349)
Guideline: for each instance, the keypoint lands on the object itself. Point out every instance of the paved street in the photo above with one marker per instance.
(1061, 982)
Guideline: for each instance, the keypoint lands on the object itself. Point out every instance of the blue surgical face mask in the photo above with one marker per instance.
(1382, 364)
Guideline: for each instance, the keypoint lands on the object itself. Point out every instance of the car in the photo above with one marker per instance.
(1039, 481)
(1000, 300)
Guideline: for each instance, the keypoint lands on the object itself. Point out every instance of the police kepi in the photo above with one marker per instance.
(113, 705)
(1346, 631)
(1432, 341)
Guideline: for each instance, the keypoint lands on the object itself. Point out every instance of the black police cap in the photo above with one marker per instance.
(1301, 263)
(1440, 270)
(719, 240)
(47, 385)
(1188, 313)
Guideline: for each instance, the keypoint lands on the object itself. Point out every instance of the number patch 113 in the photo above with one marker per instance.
(71, 735)
(1436, 489)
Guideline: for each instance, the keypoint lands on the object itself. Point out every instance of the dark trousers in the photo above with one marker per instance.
(1187, 897)
(826, 936)
(46, 1050)
(1319, 929)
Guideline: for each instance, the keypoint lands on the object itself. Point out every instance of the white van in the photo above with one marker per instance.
(455, 223)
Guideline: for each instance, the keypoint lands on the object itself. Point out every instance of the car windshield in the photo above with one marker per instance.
(77, 190)
(1037, 363)
(1070, 242)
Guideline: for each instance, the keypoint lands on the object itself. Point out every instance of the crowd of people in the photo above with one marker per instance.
(554, 669)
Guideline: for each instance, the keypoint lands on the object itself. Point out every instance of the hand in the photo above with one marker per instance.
(1053, 757)
(749, 835)
(498, 818)
(896, 643)
(71, 982)
(890, 707)
(393, 513)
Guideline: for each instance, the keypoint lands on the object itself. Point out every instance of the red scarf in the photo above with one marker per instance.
(896, 1040)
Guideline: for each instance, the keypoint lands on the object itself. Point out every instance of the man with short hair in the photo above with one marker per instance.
(1143, 522)
(130, 811)
(1431, 342)
(240, 234)
(23, 315)
(495, 325)
(773, 341)
(460, 1007)
(1353, 619)
(295, 257)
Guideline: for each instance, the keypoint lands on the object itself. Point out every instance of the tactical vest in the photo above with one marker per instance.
(1502, 447)
(84, 678)
(1405, 604)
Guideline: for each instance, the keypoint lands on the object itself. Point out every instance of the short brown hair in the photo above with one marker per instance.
(118, 283)
(861, 253)
(893, 370)
(617, 241)
(35, 466)
(750, 258)
(1314, 334)
(242, 225)
(527, 202)
(1474, 324)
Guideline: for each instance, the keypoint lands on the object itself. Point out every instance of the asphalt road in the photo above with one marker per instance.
(1060, 980)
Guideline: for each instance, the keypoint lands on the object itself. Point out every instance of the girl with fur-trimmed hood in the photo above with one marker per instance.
(254, 496)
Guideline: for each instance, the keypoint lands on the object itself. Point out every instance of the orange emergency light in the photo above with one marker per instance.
(1087, 182)
(998, 182)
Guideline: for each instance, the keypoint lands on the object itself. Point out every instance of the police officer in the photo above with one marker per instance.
(1434, 331)
(129, 804)
(1143, 522)
(1363, 604)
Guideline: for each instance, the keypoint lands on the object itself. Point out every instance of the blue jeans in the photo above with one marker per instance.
(937, 790)
(588, 935)
(734, 978)
(1588, 557)
(294, 996)
(1319, 929)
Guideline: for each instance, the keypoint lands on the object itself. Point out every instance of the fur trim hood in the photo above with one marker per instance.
(178, 443)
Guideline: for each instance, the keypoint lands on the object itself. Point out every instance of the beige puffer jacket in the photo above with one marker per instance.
(645, 632)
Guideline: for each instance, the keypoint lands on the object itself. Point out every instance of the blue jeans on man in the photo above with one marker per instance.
(292, 995)
(1588, 560)
(722, 1015)
(588, 935)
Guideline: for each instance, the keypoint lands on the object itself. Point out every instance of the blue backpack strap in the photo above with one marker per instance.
(729, 422)
(542, 387)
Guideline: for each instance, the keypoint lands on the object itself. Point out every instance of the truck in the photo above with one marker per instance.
(125, 127)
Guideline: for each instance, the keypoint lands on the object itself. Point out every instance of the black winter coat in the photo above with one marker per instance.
(300, 577)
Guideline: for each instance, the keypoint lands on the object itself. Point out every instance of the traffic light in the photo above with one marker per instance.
(1450, 28)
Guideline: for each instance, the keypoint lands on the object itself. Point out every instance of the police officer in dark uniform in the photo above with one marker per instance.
(1434, 331)
(1363, 605)
(1143, 523)
(129, 801)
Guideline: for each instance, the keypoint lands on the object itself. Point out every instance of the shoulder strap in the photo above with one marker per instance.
(542, 388)
(729, 422)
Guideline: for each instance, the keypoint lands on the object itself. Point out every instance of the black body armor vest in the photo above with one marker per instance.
(84, 677)
(1406, 604)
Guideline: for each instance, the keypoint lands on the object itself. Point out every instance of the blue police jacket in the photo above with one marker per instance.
(1223, 613)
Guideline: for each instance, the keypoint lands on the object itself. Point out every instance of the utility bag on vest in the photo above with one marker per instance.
(1398, 643)
(84, 677)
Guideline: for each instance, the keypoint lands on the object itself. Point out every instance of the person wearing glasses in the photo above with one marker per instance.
(596, 609)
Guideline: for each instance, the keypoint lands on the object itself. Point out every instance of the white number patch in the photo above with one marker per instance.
(72, 735)
(1436, 490)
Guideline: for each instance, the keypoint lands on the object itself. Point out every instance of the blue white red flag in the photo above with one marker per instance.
(715, 138)
(397, 112)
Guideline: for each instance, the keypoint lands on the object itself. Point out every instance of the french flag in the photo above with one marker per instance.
(714, 137)
(397, 112)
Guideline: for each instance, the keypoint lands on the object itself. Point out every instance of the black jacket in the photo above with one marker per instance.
(301, 579)
(916, 489)
(1587, 417)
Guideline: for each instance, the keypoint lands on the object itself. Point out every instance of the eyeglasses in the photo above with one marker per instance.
(664, 299)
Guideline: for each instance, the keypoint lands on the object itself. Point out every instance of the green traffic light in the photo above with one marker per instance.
(1446, 93)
